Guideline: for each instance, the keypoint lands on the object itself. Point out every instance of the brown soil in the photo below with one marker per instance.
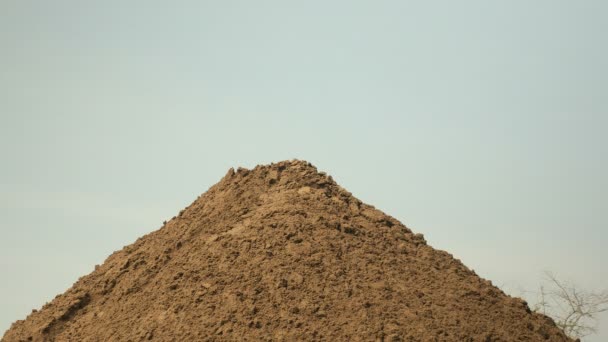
(283, 253)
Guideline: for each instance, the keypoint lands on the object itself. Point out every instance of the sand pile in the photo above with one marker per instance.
(282, 253)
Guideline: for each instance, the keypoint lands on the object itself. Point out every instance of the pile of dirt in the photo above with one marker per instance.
(283, 253)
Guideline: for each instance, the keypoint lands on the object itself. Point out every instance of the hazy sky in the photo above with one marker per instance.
(481, 124)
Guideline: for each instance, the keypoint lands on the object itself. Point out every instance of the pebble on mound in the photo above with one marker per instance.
(283, 253)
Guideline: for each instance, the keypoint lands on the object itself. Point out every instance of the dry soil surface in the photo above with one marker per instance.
(283, 253)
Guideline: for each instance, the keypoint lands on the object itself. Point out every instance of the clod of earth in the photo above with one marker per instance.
(283, 253)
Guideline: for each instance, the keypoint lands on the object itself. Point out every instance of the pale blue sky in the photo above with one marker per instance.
(481, 124)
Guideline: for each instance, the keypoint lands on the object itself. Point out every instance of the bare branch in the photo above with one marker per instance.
(574, 310)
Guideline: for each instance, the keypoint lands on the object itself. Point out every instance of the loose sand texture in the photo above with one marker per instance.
(283, 253)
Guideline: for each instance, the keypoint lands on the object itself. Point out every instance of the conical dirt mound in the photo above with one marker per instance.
(282, 253)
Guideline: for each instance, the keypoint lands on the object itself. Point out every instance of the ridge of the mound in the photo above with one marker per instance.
(281, 252)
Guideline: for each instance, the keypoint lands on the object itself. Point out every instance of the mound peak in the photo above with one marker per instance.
(281, 252)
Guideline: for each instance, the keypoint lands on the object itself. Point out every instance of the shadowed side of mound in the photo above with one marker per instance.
(282, 252)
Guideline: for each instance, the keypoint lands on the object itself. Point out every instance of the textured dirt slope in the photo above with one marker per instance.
(282, 252)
